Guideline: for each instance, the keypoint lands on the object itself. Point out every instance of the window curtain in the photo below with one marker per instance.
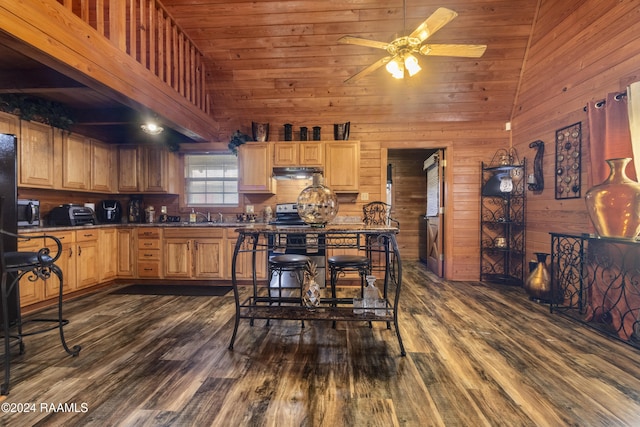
(633, 95)
(609, 135)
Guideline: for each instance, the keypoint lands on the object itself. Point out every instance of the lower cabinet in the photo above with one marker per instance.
(149, 253)
(125, 253)
(32, 292)
(244, 262)
(87, 258)
(194, 253)
(108, 251)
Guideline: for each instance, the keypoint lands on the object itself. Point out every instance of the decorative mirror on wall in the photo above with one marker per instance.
(568, 161)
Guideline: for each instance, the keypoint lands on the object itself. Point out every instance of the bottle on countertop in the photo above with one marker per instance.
(370, 294)
(192, 216)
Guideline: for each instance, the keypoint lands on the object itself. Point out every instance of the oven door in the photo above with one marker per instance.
(311, 245)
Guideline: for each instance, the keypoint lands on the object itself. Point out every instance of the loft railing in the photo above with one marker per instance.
(144, 30)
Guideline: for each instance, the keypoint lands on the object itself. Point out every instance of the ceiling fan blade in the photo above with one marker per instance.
(363, 42)
(463, 50)
(438, 19)
(371, 68)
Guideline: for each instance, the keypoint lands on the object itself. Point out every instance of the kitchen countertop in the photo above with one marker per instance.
(49, 229)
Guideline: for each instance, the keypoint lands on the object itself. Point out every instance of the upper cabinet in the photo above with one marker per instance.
(102, 164)
(255, 168)
(36, 155)
(342, 166)
(146, 169)
(298, 154)
(76, 162)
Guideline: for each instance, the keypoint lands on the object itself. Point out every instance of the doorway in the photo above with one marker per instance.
(409, 201)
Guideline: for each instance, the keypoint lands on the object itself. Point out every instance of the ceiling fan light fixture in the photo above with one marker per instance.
(152, 128)
(396, 68)
(411, 65)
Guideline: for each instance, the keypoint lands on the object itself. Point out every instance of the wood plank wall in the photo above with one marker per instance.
(571, 62)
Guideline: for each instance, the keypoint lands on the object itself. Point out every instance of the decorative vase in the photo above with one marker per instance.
(614, 205)
(311, 289)
(288, 132)
(538, 283)
(317, 204)
(303, 133)
(316, 133)
(260, 131)
(341, 131)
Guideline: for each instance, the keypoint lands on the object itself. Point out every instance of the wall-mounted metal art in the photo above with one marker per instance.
(568, 161)
(535, 181)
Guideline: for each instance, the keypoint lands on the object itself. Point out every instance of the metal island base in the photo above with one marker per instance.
(378, 244)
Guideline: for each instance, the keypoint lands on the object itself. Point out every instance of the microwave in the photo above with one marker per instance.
(28, 213)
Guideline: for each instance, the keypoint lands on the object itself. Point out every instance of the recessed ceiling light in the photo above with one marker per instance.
(152, 128)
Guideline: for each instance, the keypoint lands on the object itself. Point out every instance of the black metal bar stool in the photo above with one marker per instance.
(34, 266)
(292, 264)
(344, 263)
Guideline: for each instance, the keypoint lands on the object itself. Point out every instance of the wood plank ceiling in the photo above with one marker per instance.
(268, 60)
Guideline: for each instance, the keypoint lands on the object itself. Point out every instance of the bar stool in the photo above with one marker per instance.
(293, 264)
(344, 263)
(15, 266)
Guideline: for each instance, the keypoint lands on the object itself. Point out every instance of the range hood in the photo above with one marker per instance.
(295, 172)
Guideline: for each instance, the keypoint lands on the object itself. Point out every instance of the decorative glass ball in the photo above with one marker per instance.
(317, 204)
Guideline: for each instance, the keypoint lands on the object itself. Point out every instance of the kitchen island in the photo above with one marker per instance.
(378, 243)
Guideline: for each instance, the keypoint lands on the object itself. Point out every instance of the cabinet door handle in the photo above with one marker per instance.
(195, 244)
(188, 246)
(79, 250)
(70, 252)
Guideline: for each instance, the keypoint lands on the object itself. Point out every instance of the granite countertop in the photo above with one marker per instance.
(49, 229)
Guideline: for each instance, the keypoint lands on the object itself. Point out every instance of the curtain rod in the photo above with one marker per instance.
(602, 102)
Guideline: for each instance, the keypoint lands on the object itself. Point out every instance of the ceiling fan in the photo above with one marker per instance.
(401, 50)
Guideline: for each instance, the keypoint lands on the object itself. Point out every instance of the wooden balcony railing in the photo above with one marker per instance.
(144, 30)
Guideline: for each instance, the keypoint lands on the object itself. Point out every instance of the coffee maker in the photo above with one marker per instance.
(136, 209)
(109, 212)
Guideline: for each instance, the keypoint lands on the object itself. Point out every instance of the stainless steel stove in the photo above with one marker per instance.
(311, 245)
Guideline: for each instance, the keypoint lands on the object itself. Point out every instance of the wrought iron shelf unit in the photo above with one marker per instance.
(502, 224)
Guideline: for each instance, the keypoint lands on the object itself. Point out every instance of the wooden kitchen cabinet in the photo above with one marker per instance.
(147, 169)
(76, 162)
(36, 155)
(255, 168)
(193, 253)
(244, 260)
(125, 257)
(32, 292)
(87, 258)
(86, 164)
(342, 166)
(108, 254)
(128, 169)
(149, 253)
(102, 163)
(298, 154)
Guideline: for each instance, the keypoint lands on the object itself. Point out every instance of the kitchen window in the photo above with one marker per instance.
(211, 179)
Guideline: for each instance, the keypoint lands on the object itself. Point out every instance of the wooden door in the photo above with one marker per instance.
(35, 155)
(434, 170)
(208, 258)
(76, 162)
(177, 258)
(108, 244)
(125, 253)
(102, 176)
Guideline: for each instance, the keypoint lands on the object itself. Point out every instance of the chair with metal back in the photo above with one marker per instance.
(379, 214)
(33, 266)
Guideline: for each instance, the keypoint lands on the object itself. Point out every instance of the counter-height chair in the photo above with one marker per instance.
(292, 264)
(379, 214)
(33, 266)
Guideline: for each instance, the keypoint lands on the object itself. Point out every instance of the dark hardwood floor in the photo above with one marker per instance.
(476, 355)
